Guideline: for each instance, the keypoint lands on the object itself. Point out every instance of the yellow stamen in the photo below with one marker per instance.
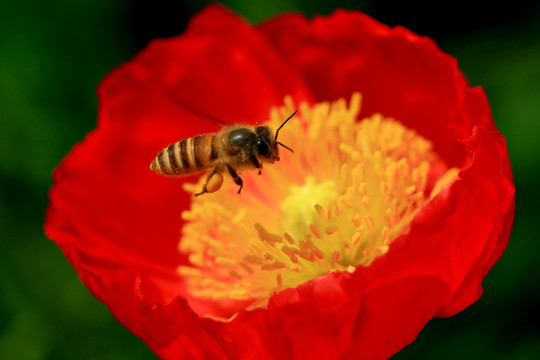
(350, 188)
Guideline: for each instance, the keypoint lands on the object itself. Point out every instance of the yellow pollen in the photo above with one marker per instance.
(351, 187)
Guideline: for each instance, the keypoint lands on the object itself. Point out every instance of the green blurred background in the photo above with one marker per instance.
(52, 56)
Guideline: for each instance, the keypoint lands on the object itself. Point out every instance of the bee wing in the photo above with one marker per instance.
(215, 121)
(206, 117)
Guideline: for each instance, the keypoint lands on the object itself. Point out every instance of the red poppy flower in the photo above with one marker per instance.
(344, 249)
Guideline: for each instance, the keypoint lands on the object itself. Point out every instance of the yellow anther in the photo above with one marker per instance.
(409, 190)
(369, 222)
(253, 259)
(315, 230)
(335, 257)
(289, 239)
(225, 261)
(320, 211)
(246, 267)
(235, 274)
(365, 201)
(330, 229)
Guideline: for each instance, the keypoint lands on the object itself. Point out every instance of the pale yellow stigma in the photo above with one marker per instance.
(337, 203)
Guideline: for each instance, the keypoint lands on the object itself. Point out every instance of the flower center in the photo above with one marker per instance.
(337, 203)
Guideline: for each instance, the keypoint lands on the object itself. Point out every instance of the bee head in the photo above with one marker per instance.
(266, 146)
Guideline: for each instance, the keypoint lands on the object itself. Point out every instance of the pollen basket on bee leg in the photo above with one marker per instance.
(214, 182)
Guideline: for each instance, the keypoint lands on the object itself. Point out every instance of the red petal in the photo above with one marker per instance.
(488, 177)
(314, 320)
(392, 313)
(399, 74)
(230, 72)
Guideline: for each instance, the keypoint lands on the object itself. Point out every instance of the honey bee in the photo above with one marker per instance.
(234, 148)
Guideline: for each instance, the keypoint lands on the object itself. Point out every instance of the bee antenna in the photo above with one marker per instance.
(285, 146)
(277, 131)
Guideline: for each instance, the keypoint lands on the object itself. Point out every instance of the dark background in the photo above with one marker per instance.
(54, 53)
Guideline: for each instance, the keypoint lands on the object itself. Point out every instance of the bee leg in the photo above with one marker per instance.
(213, 183)
(237, 179)
(256, 163)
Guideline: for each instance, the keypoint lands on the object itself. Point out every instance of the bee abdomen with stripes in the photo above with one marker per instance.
(186, 156)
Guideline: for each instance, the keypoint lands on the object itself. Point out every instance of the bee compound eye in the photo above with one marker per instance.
(262, 147)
